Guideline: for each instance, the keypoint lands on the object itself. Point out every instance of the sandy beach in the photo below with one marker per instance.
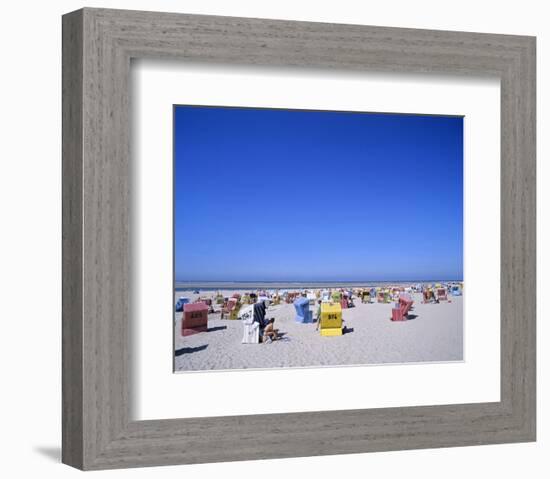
(433, 332)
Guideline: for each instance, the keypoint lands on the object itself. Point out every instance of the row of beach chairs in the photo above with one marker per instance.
(435, 295)
(244, 307)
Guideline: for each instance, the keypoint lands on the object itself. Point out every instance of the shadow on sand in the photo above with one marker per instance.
(180, 352)
(216, 328)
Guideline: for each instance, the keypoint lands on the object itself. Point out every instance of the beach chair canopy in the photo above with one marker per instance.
(259, 313)
(301, 302)
(246, 314)
(195, 307)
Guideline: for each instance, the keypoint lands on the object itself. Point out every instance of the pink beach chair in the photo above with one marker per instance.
(442, 294)
(400, 313)
(229, 307)
(195, 318)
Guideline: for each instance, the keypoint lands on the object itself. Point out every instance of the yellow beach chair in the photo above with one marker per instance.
(234, 313)
(331, 319)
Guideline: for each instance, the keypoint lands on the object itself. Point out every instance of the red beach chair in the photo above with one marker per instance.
(195, 318)
(400, 313)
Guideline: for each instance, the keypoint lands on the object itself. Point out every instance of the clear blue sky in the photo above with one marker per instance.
(275, 195)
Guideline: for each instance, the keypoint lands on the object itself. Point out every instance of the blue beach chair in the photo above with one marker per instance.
(303, 314)
(181, 301)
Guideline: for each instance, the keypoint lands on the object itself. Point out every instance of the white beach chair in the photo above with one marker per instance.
(251, 329)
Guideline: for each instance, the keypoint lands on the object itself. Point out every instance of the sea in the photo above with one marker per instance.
(297, 285)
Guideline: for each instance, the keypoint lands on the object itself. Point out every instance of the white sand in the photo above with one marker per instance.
(434, 333)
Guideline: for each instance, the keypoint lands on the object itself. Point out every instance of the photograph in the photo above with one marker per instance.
(314, 238)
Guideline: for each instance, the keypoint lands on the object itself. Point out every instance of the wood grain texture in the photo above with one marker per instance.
(97, 48)
(72, 385)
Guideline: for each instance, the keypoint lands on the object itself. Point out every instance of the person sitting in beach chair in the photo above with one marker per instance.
(429, 296)
(426, 295)
(254, 322)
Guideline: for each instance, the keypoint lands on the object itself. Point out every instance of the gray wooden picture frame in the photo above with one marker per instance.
(98, 45)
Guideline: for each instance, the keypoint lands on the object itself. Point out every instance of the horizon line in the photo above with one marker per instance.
(314, 280)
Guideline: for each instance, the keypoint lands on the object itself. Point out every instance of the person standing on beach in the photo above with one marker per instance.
(318, 315)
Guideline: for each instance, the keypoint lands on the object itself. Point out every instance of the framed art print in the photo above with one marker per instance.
(286, 239)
